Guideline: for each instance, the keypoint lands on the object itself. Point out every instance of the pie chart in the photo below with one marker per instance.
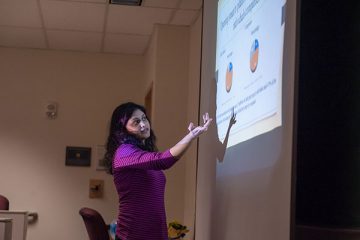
(229, 77)
(254, 55)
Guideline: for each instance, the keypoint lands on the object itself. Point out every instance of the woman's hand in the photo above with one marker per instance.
(180, 148)
(197, 131)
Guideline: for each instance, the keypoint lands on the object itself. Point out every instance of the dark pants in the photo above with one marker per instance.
(116, 238)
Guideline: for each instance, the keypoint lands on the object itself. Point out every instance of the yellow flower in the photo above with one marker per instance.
(176, 230)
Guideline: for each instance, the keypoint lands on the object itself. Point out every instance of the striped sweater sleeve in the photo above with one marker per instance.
(131, 156)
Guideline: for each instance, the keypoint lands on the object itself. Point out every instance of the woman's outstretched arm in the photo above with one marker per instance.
(194, 132)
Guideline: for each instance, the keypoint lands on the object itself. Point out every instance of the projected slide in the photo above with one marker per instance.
(249, 52)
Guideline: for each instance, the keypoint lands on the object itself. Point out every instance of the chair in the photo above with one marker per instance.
(4, 203)
(94, 223)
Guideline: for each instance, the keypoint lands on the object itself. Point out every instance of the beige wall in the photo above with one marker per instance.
(173, 69)
(169, 61)
(32, 148)
(88, 87)
(150, 65)
(192, 116)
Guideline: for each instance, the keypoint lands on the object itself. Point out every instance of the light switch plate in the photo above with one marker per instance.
(96, 188)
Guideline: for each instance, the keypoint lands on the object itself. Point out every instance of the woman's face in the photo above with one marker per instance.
(138, 125)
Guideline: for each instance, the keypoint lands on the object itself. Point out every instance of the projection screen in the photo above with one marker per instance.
(247, 86)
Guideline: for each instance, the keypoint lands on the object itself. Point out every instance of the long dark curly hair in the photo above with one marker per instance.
(119, 135)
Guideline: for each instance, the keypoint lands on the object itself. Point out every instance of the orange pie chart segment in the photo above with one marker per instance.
(254, 55)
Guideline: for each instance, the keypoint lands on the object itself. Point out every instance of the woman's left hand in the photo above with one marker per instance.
(197, 131)
(179, 149)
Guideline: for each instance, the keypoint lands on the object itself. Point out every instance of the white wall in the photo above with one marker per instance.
(32, 148)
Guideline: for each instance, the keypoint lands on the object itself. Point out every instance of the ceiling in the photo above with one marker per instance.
(89, 25)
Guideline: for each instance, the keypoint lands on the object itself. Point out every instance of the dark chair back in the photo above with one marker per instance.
(94, 223)
(4, 203)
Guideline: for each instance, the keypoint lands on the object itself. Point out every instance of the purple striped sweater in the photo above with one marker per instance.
(140, 184)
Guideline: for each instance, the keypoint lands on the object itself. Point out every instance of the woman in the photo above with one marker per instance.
(133, 159)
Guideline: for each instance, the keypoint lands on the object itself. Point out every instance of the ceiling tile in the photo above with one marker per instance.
(22, 37)
(20, 13)
(135, 20)
(160, 3)
(184, 17)
(79, 24)
(191, 4)
(71, 40)
(73, 15)
(126, 44)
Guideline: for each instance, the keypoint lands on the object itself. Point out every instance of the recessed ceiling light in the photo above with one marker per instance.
(126, 2)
